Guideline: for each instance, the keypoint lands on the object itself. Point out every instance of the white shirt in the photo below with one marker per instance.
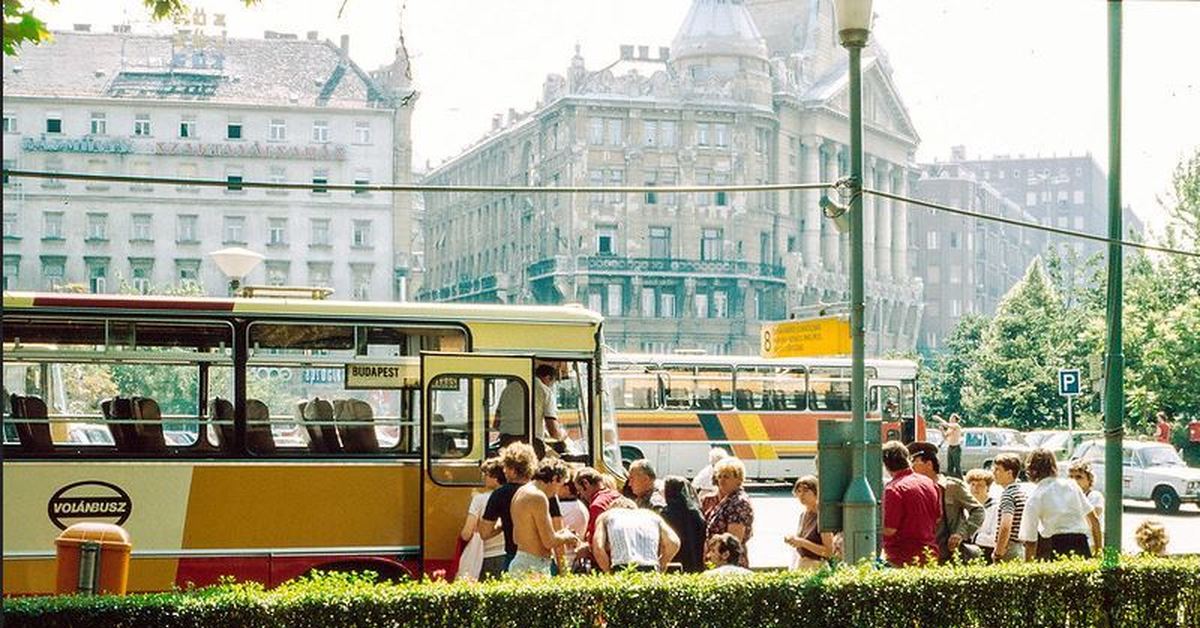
(575, 519)
(1057, 506)
(494, 546)
(633, 536)
(704, 479)
(511, 408)
(1097, 501)
(728, 570)
(986, 536)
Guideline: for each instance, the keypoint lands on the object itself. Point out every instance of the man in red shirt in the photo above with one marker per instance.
(912, 506)
(1162, 426)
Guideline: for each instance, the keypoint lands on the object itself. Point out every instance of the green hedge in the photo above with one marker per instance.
(1143, 592)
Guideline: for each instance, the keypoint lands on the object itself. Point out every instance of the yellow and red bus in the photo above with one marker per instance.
(673, 408)
(264, 438)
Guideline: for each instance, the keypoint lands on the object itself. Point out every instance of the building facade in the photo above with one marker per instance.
(279, 109)
(967, 264)
(675, 270)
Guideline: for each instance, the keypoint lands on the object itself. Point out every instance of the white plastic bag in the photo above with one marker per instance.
(471, 561)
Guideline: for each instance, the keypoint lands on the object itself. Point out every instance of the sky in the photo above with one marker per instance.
(996, 76)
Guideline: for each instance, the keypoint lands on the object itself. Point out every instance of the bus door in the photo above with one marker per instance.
(883, 401)
(462, 394)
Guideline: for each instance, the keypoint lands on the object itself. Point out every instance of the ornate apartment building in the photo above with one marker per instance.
(278, 109)
(728, 103)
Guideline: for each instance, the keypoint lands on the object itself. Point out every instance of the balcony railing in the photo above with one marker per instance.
(682, 266)
(463, 289)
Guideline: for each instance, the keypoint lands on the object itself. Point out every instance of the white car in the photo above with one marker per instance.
(1151, 470)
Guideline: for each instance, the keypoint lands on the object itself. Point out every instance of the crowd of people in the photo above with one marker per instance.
(543, 517)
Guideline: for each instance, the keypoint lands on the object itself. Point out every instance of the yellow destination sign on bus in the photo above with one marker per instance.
(795, 339)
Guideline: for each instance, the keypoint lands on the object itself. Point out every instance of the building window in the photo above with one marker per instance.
(931, 240)
(319, 232)
(277, 174)
(187, 127)
(953, 239)
(703, 131)
(320, 131)
(616, 178)
(721, 134)
(142, 225)
(649, 301)
(54, 271)
(596, 131)
(666, 305)
(762, 140)
(361, 235)
(99, 124)
(10, 225)
(660, 242)
(235, 230)
(1077, 197)
(650, 132)
(319, 273)
(1078, 222)
(711, 244)
(141, 125)
(1031, 199)
(141, 270)
(54, 122)
(277, 232)
(361, 276)
(721, 196)
(12, 269)
(667, 133)
(616, 131)
(362, 178)
(277, 130)
(187, 271)
(233, 131)
(97, 227)
(52, 226)
(320, 179)
(701, 305)
(97, 275)
(185, 228)
(606, 240)
(596, 179)
(615, 305)
(651, 181)
(955, 274)
(233, 180)
(278, 272)
(720, 302)
(955, 307)
(362, 132)
(596, 302)
(933, 274)
(10, 122)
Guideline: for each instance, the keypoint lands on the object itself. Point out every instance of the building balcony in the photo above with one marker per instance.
(486, 289)
(614, 265)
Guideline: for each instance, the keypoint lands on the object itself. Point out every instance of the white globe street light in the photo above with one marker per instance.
(236, 262)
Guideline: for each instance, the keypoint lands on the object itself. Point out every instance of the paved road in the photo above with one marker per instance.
(776, 514)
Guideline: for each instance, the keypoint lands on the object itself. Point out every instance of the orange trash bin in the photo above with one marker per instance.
(93, 557)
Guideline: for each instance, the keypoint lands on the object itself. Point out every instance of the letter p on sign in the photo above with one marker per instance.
(1068, 382)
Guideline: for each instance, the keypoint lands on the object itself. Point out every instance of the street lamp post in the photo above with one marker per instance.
(859, 508)
(236, 263)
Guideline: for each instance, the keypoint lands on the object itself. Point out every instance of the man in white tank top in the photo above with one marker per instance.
(631, 538)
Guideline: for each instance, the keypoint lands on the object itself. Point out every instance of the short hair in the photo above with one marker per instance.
(808, 482)
(589, 475)
(552, 470)
(520, 458)
(1042, 465)
(1151, 537)
(895, 456)
(1084, 468)
(644, 466)
(622, 502)
(492, 467)
(545, 370)
(729, 545)
(980, 475)
(1010, 462)
(730, 465)
(954, 417)
(715, 454)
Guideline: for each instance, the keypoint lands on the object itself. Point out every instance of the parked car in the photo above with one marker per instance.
(1061, 442)
(1151, 470)
(981, 445)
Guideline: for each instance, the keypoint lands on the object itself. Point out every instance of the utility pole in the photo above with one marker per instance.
(1114, 394)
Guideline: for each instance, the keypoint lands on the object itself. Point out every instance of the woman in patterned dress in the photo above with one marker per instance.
(733, 512)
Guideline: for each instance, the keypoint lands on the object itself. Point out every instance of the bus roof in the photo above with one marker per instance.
(567, 314)
(886, 367)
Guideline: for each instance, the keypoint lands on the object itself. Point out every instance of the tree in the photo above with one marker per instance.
(1013, 377)
(946, 375)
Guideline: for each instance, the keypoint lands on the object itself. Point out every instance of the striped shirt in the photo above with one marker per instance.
(633, 537)
(1012, 500)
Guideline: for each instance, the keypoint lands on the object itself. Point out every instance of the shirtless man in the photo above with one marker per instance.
(533, 530)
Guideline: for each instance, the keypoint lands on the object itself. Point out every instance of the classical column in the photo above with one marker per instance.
(899, 185)
(870, 234)
(830, 242)
(811, 173)
(883, 221)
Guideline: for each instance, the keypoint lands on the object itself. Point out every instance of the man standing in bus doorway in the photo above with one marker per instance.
(533, 530)
(952, 431)
(510, 411)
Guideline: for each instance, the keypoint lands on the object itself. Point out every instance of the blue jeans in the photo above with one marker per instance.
(525, 563)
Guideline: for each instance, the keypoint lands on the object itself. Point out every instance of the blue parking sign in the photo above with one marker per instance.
(1068, 382)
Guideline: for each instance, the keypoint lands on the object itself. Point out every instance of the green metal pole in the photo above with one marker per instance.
(1114, 393)
(859, 501)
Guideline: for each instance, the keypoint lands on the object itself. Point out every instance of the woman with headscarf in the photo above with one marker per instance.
(683, 515)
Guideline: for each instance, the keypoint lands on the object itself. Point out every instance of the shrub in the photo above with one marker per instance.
(1142, 592)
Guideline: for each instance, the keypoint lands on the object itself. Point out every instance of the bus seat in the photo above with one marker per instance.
(125, 435)
(743, 399)
(357, 439)
(321, 438)
(34, 437)
(222, 414)
(149, 431)
(259, 439)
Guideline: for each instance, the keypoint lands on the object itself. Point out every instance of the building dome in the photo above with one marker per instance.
(721, 28)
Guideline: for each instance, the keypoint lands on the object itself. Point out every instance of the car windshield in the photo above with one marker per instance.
(1165, 455)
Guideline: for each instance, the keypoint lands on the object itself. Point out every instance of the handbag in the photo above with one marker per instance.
(583, 564)
(471, 561)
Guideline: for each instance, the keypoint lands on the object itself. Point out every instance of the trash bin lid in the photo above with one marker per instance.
(106, 534)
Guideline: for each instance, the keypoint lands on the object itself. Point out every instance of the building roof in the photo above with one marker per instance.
(718, 27)
(280, 72)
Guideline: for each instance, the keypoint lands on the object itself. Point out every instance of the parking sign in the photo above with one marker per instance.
(1068, 382)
